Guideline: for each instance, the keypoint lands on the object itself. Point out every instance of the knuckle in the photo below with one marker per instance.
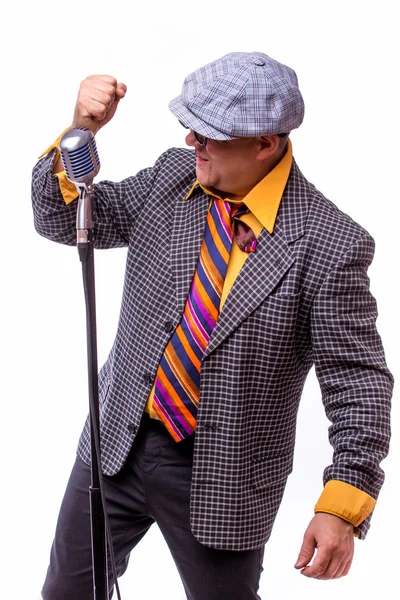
(109, 79)
(100, 112)
(89, 81)
(316, 573)
(109, 96)
(331, 545)
(337, 576)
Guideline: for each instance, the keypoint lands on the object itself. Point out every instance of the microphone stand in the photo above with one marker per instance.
(84, 226)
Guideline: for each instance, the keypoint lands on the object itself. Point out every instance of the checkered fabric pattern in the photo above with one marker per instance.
(241, 94)
(302, 299)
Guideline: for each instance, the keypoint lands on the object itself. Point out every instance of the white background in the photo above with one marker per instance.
(346, 56)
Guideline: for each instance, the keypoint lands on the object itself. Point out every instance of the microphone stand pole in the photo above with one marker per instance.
(84, 225)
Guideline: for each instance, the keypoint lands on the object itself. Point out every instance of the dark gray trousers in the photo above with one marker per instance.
(153, 486)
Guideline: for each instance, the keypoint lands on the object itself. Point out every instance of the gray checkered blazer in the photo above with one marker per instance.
(301, 299)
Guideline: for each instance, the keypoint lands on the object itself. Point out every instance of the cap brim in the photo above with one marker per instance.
(187, 118)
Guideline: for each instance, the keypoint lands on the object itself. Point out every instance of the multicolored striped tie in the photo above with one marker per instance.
(177, 386)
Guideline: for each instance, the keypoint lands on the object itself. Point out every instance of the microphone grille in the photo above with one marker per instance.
(79, 155)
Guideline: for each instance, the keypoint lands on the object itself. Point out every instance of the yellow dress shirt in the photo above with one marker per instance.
(337, 498)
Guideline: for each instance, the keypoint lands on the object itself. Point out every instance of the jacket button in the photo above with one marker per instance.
(169, 326)
(147, 378)
(131, 427)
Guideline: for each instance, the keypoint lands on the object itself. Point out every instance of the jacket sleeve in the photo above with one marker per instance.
(116, 206)
(350, 365)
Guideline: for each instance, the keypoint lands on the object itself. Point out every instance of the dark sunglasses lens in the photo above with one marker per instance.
(202, 140)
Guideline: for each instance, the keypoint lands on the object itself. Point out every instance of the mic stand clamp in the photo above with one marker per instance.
(84, 221)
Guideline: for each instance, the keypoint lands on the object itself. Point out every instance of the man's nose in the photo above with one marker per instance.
(190, 139)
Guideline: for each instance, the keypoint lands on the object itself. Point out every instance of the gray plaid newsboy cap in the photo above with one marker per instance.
(242, 94)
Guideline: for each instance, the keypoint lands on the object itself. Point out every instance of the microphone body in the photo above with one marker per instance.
(81, 163)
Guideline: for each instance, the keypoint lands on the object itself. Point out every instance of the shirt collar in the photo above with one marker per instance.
(264, 199)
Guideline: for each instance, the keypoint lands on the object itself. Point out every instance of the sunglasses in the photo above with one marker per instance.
(200, 139)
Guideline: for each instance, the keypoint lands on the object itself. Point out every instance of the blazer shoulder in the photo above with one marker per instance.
(323, 215)
(182, 160)
(174, 170)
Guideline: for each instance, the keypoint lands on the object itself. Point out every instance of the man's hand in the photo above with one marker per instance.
(97, 101)
(95, 106)
(334, 540)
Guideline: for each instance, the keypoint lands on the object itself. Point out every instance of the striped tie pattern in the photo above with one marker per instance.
(177, 386)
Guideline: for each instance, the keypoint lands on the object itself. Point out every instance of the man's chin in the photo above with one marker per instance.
(202, 177)
(203, 174)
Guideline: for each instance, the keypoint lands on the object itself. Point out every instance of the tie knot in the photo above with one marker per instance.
(238, 209)
(242, 233)
(244, 236)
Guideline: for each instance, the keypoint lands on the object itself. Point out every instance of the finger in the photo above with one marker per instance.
(102, 87)
(319, 565)
(306, 552)
(110, 112)
(339, 562)
(93, 87)
(108, 79)
(344, 570)
(94, 109)
(106, 84)
(104, 94)
(333, 567)
(347, 568)
(97, 83)
(120, 90)
(101, 98)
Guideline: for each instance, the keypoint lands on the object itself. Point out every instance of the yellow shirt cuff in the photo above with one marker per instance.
(67, 188)
(55, 145)
(345, 501)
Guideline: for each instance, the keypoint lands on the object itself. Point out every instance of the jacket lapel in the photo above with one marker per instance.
(259, 275)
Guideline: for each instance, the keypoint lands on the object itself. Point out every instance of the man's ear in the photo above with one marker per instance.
(269, 144)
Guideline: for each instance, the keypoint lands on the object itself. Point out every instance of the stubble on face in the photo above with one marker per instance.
(204, 174)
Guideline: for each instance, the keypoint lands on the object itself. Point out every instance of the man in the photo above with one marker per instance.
(240, 276)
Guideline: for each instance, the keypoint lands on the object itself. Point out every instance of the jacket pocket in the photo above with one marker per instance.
(269, 469)
(282, 307)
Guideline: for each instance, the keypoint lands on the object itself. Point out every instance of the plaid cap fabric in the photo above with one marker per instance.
(242, 94)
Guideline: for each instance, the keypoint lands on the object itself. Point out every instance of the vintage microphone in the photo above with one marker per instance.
(81, 163)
